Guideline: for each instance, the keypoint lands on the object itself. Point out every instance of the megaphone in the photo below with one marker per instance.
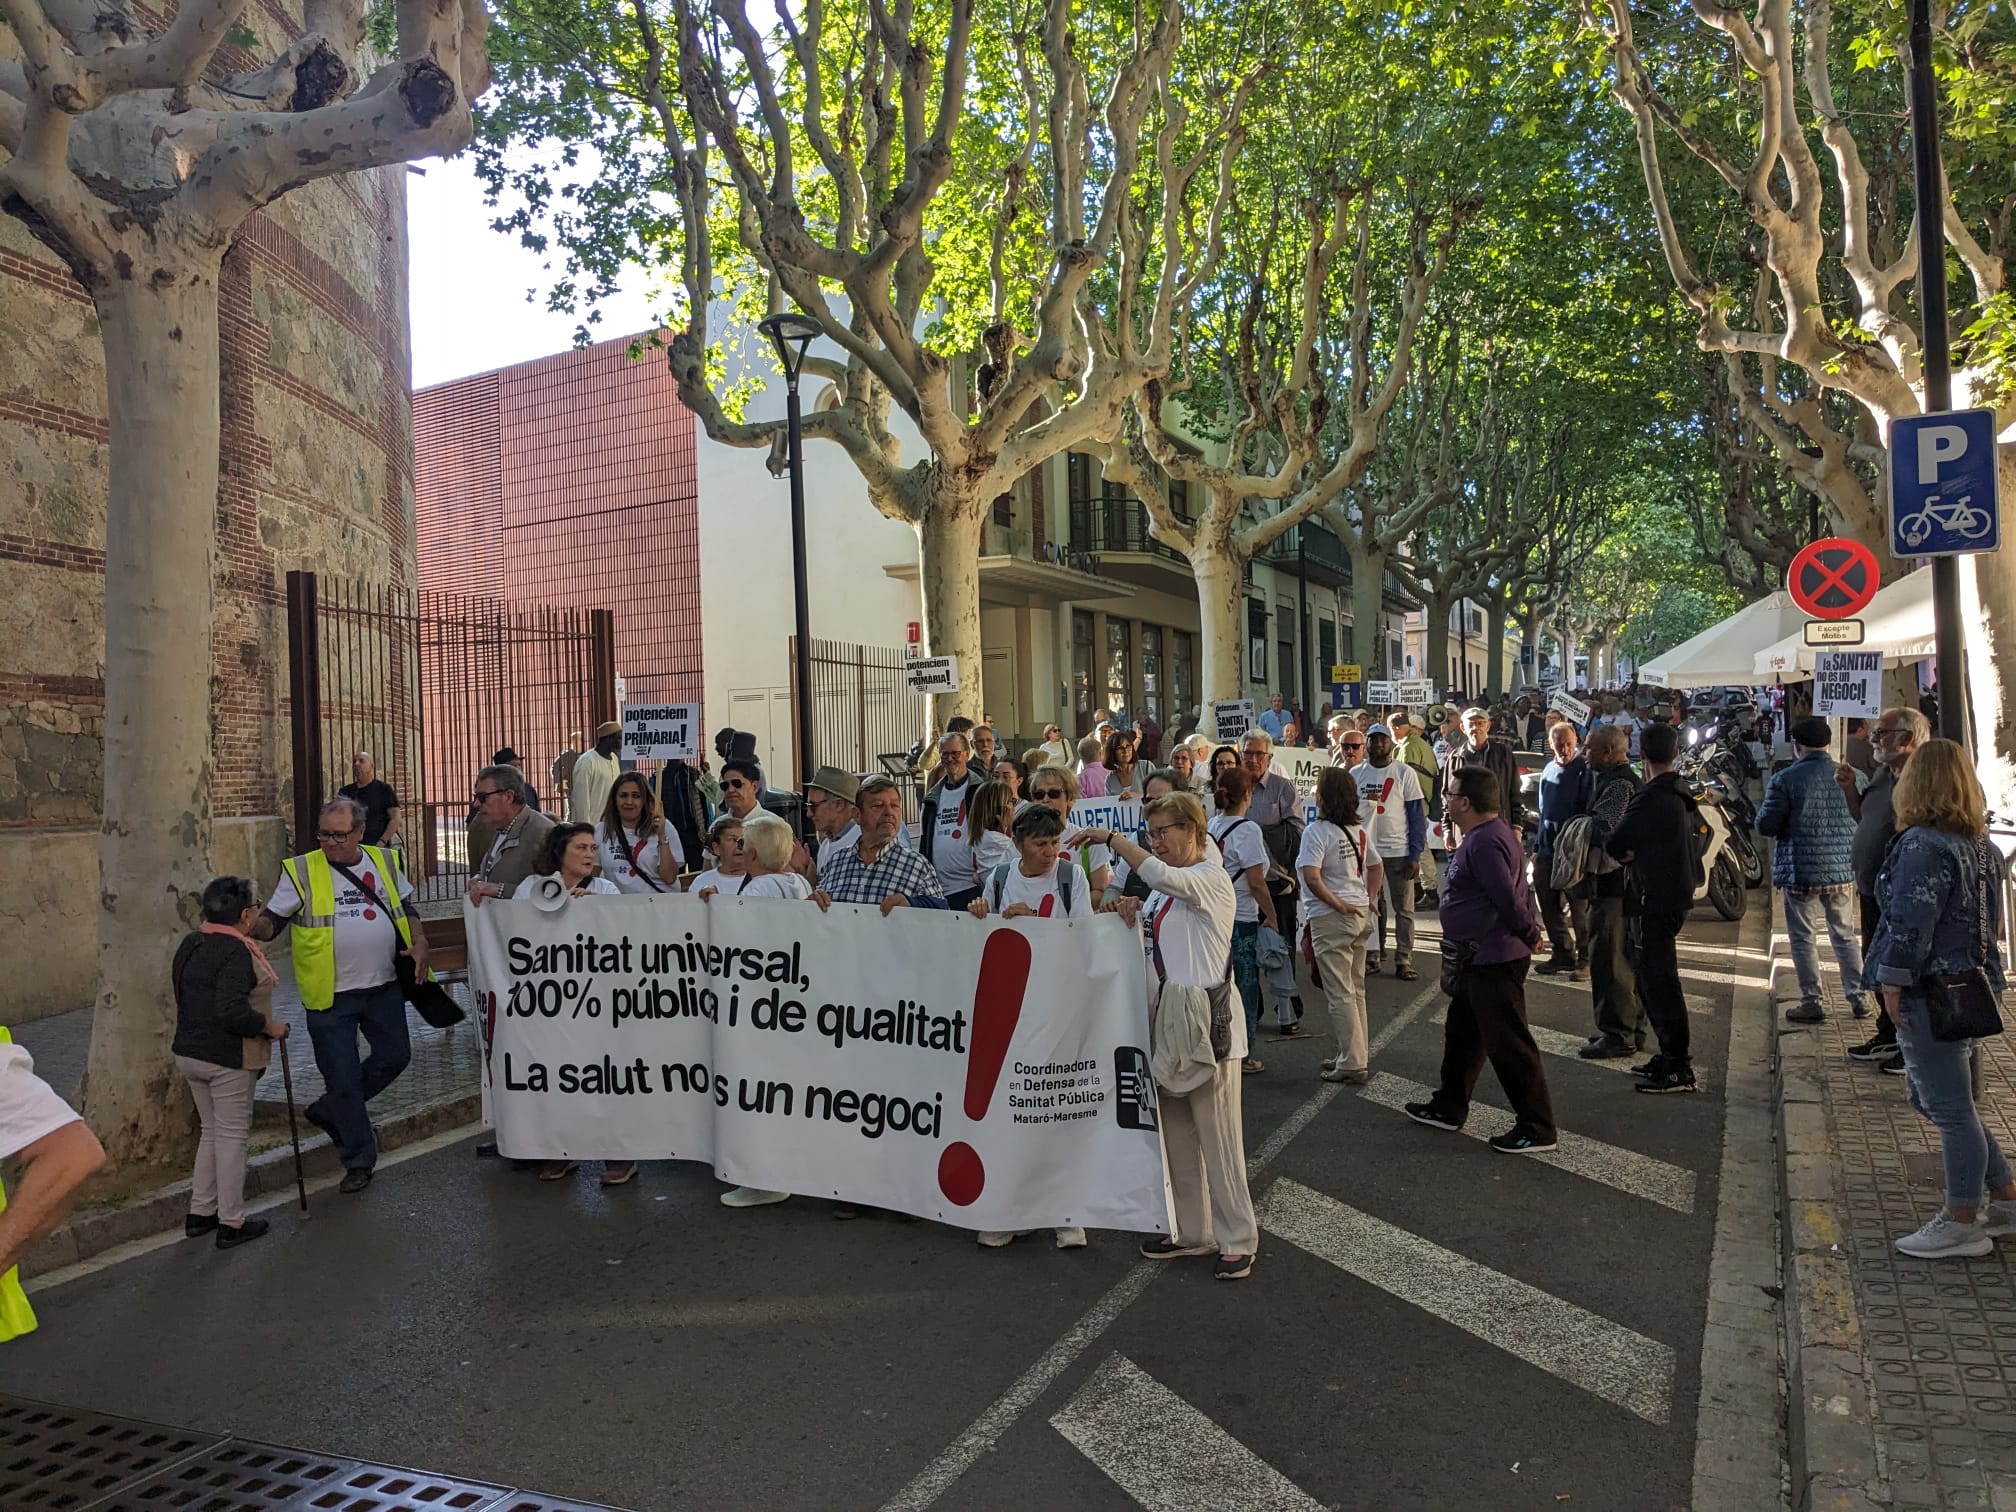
(550, 894)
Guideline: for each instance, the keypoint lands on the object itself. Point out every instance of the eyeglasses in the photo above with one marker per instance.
(322, 834)
(485, 794)
(1159, 831)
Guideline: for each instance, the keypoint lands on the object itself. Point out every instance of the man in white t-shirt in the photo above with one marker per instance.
(1395, 814)
(946, 837)
(54, 1154)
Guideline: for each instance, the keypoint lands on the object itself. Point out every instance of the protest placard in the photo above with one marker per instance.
(1232, 717)
(1379, 694)
(662, 732)
(1848, 684)
(988, 1074)
(932, 674)
(1414, 692)
(1576, 710)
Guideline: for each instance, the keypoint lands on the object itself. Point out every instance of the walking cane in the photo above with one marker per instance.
(293, 1128)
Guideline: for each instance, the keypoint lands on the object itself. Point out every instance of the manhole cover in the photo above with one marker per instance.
(245, 1477)
(57, 1458)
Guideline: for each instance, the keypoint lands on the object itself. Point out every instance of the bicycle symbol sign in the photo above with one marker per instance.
(1943, 498)
(1833, 578)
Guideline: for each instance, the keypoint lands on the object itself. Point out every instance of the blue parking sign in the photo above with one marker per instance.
(1943, 498)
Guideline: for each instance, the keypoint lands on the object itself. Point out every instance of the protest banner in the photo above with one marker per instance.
(988, 1074)
(932, 674)
(1232, 717)
(1301, 767)
(662, 732)
(1122, 815)
(1414, 692)
(1379, 693)
(1576, 710)
(1848, 684)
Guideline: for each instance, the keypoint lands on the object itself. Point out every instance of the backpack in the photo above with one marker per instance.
(998, 883)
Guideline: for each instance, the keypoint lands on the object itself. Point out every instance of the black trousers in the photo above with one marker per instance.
(1487, 1021)
(1659, 980)
(1872, 913)
(1565, 916)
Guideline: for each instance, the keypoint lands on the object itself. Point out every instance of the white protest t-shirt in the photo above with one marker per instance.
(367, 941)
(952, 846)
(1383, 796)
(1629, 723)
(619, 866)
(530, 885)
(776, 885)
(1040, 893)
(1341, 857)
(995, 849)
(715, 878)
(29, 1106)
(1242, 845)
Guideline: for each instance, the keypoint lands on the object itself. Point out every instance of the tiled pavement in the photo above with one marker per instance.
(1940, 1335)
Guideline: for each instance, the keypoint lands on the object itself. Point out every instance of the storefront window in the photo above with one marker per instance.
(1182, 677)
(1151, 672)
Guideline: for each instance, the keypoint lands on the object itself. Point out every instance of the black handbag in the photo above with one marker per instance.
(1964, 1005)
(430, 999)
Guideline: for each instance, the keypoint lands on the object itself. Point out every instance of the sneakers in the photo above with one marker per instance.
(245, 1233)
(1520, 1140)
(1233, 1267)
(1805, 1013)
(741, 1197)
(196, 1225)
(1162, 1247)
(1429, 1114)
(1579, 974)
(997, 1238)
(1942, 1239)
(1290, 1031)
(1882, 1047)
(1998, 1218)
(1859, 1006)
(1070, 1238)
(558, 1170)
(1651, 1070)
(1894, 1066)
(354, 1180)
(1671, 1078)
(1555, 965)
(1606, 1049)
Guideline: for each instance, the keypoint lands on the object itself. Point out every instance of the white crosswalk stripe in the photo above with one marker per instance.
(1165, 1453)
(1591, 1352)
(1568, 1046)
(1627, 1171)
(1697, 1002)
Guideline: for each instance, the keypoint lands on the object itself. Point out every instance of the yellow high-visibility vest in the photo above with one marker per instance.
(314, 924)
(16, 1316)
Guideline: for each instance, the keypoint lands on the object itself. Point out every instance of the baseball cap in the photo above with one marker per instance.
(1378, 729)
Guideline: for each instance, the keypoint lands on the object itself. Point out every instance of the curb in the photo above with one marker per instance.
(88, 1234)
(1831, 1426)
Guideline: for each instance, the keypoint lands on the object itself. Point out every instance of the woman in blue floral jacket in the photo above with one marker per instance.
(1940, 891)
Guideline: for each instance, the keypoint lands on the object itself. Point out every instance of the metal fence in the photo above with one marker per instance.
(432, 684)
(862, 706)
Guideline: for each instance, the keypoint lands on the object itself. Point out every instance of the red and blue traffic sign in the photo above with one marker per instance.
(1833, 578)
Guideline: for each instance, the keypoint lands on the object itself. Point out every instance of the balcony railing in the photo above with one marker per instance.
(1318, 544)
(1116, 523)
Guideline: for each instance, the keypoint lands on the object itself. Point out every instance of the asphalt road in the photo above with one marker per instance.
(1430, 1324)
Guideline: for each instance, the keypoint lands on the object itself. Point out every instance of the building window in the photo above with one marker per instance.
(1179, 499)
(1004, 510)
(1326, 645)
(1350, 642)
(1290, 680)
(1256, 638)
(1182, 679)
(1081, 668)
(1152, 689)
(1393, 654)
(1119, 654)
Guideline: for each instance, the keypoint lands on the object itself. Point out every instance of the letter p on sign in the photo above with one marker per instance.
(1937, 444)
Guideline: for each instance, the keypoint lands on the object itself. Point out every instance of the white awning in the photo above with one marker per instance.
(1898, 623)
(1726, 655)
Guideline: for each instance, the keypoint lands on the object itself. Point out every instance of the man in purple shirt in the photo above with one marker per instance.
(1485, 904)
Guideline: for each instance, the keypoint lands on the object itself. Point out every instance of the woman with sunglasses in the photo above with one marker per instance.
(640, 853)
(1055, 788)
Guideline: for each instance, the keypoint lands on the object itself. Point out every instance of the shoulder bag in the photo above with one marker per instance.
(429, 998)
(1964, 1005)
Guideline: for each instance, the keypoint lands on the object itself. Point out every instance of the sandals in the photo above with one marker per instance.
(1252, 1064)
(558, 1170)
(616, 1172)
(1406, 973)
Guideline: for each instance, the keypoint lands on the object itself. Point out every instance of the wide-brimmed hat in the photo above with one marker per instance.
(608, 727)
(840, 784)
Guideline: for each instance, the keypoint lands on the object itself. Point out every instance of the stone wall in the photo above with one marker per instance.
(317, 473)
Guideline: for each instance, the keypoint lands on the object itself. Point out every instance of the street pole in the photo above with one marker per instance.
(791, 334)
(1302, 620)
(1930, 187)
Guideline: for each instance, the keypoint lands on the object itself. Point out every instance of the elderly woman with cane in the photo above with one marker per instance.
(1200, 1032)
(223, 1025)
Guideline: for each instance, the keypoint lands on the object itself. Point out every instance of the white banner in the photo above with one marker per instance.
(1231, 718)
(1576, 710)
(1414, 692)
(986, 1074)
(1848, 684)
(1300, 766)
(932, 674)
(1379, 694)
(662, 732)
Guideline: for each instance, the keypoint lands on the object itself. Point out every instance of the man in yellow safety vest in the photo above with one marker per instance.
(55, 1153)
(347, 904)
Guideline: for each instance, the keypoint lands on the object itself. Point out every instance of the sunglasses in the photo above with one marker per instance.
(733, 784)
(1353, 745)
(1046, 792)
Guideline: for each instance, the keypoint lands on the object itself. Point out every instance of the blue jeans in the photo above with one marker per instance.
(1835, 910)
(1943, 1092)
(1246, 976)
(379, 1014)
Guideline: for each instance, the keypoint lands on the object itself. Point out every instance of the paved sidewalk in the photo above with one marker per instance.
(1938, 1338)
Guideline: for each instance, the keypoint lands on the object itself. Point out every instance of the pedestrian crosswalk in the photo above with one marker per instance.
(1163, 1452)
(1554, 1042)
(1604, 1358)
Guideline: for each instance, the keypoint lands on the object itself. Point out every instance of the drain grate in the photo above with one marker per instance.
(54, 1459)
(532, 1501)
(246, 1477)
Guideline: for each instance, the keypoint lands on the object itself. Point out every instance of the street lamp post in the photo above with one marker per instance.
(791, 334)
(1929, 185)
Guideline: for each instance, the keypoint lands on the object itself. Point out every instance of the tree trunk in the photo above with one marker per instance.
(1437, 611)
(948, 553)
(1991, 679)
(1494, 648)
(1221, 602)
(161, 374)
(1368, 618)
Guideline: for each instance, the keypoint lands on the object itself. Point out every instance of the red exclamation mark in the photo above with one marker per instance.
(997, 1004)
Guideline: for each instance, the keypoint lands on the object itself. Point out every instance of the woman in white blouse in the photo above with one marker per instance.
(1340, 878)
(640, 852)
(766, 850)
(1187, 934)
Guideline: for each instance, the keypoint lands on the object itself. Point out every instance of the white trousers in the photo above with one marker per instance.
(1205, 1145)
(1340, 941)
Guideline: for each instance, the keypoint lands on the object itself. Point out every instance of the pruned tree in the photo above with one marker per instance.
(1045, 188)
(1839, 272)
(137, 159)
